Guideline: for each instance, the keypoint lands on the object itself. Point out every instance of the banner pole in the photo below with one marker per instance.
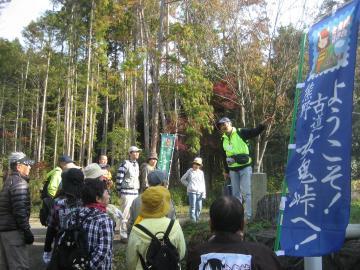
(171, 160)
(291, 141)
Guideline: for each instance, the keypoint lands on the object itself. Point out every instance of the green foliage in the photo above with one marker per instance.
(119, 141)
(179, 195)
(355, 212)
(274, 183)
(195, 93)
(119, 259)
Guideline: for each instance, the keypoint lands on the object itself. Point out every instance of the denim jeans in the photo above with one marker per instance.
(241, 187)
(195, 205)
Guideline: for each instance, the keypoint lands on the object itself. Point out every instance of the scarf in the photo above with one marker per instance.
(100, 206)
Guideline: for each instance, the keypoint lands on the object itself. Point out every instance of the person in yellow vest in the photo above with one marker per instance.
(237, 160)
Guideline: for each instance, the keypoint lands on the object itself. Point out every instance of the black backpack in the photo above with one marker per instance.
(71, 251)
(45, 210)
(161, 253)
(44, 191)
(47, 203)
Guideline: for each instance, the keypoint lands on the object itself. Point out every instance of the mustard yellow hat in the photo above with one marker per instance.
(155, 202)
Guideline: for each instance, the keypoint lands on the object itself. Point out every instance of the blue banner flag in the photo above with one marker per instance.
(166, 152)
(317, 207)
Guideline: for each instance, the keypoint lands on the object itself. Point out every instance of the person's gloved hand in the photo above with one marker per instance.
(46, 257)
(29, 237)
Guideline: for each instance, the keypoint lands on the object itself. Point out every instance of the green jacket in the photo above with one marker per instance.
(235, 147)
(54, 177)
(139, 241)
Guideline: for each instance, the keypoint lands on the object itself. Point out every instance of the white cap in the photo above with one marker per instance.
(93, 171)
(133, 149)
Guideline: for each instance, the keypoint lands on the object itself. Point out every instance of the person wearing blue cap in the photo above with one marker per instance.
(54, 176)
(154, 178)
(15, 233)
(237, 160)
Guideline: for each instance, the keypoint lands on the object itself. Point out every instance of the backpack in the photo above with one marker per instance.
(44, 191)
(47, 203)
(71, 251)
(161, 253)
(45, 210)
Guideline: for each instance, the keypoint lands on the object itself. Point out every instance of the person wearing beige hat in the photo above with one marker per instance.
(145, 169)
(194, 181)
(154, 208)
(93, 171)
(128, 185)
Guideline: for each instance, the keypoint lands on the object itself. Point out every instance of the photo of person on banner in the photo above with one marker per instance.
(332, 45)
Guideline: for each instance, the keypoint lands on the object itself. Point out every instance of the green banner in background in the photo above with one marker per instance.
(166, 152)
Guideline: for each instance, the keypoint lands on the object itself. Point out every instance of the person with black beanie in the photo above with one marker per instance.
(67, 200)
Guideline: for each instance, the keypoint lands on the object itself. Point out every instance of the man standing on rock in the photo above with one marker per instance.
(127, 185)
(237, 161)
(15, 231)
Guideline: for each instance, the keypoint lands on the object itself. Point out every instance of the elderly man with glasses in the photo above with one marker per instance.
(15, 231)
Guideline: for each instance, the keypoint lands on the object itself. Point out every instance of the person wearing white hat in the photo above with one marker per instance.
(194, 181)
(128, 185)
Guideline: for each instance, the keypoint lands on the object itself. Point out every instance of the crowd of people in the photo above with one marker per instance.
(78, 199)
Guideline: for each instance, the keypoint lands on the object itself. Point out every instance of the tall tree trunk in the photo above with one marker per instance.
(74, 119)
(146, 109)
(156, 96)
(105, 124)
(43, 112)
(22, 103)
(4, 139)
(57, 128)
(2, 121)
(126, 112)
(112, 144)
(144, 78)
(90, 140)
(2, 101)
(85, 119)
(17, 120)
(133, 110)
(241, 97)
(69, 89)
(67, 127)
(31, 130)
(42, 157)
(36, 128)
(162, 113)
(93, 128)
